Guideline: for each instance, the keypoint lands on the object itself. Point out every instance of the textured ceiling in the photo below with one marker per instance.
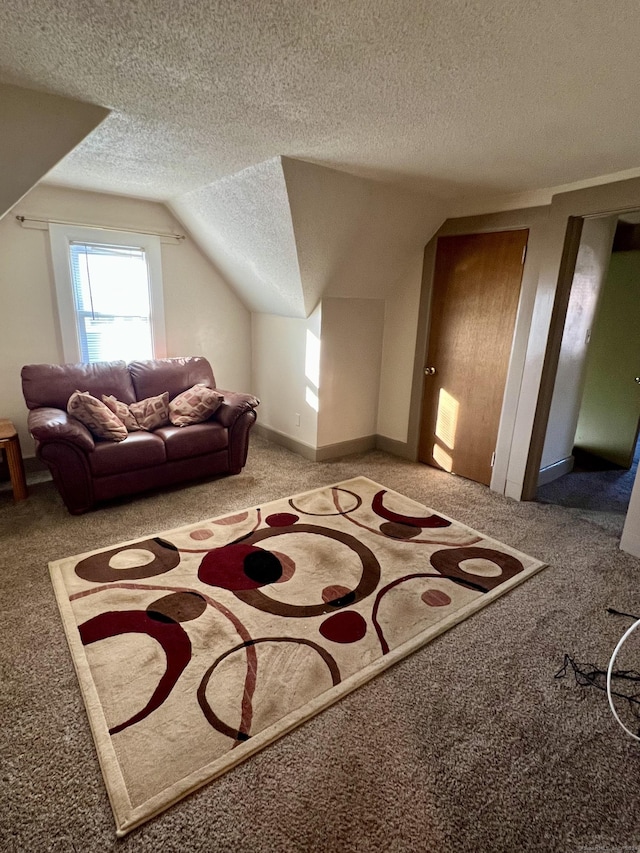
(453, 96)
(243, 223)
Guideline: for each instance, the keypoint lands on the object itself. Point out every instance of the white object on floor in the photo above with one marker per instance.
(621, 643)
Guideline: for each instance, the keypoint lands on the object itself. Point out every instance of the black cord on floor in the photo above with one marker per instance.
(620, 613)
(588, 675)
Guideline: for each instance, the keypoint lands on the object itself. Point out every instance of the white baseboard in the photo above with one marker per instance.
(395, 447)
(345, 448)
(552, 472)
(277, 437)
(318, 454)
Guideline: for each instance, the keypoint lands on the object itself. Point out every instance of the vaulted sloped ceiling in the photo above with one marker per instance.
(243, 223)
(354, 236)
(396, 102)
(285, 233)
(458, 98)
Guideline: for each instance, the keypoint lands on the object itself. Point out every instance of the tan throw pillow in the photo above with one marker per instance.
(194, 405)
(151, 413)
(122, 411)
(98, 419)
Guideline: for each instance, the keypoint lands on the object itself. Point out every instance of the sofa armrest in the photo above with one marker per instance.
(47, 424)
(234, 405)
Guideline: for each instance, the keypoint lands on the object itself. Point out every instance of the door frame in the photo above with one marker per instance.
(532, 219)
(567, 213)
(547, 278)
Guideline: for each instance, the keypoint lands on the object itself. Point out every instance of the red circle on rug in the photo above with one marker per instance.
(436, 598)
(201, 533)
(239, 566)
(331, 593)
(288, 566)
(228, 520)
(347, 627)
(282, 519)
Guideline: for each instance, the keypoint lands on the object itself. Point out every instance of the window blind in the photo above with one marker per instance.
(112, 301)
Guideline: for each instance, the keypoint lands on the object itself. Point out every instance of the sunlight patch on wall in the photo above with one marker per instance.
(312, 370)
(312, 399)
(312, 359)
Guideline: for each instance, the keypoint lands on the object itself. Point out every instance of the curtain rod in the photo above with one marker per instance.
(23, 219)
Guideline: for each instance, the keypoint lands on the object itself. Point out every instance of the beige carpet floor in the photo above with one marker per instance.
(468, 745)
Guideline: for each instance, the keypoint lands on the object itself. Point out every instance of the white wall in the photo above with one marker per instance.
(351, 355)
(631, 532)
(363, 239)
(325, 369)
(398, 352)
(36, 131)
(358, 243)
(203, 316)
(591, 268)
(285, 373)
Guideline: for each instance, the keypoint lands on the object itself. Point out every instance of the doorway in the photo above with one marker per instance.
(598, 429)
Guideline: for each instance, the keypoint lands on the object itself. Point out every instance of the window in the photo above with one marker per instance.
(109, 288)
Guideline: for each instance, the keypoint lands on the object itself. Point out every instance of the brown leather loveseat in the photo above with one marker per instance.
(87, 470)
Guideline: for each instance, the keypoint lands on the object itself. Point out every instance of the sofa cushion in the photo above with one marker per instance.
(195, 440)
(152, 412)
(122, 411)
(99, 420)
(51, 385)
(194, 405)
(140, 450)
(174, 375)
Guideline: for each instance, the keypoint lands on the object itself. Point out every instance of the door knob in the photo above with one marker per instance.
(429, 371)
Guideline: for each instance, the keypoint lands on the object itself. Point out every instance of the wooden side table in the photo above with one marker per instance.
(10, 444)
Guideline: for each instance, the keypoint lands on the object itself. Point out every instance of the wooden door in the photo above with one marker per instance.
(610, 408)
(476, 289)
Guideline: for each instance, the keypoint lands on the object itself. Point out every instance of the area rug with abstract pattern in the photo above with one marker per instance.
(198, 646)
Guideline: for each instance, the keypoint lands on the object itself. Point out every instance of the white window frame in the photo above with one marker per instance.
(60, 237)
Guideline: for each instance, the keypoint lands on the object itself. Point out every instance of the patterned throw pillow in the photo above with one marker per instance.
(194, 406)
(151, 413)
(122, 411)
(98, 419)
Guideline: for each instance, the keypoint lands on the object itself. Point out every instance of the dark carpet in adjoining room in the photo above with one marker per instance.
(468, 745)
(596, 490)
